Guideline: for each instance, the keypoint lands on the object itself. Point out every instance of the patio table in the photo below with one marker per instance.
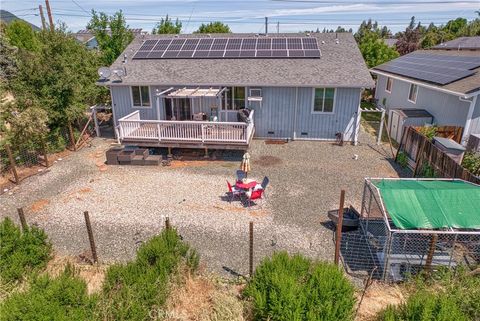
(247, 184)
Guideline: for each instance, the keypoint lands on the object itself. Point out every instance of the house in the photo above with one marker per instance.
(220, 91)
(86, 37)
(443, 83)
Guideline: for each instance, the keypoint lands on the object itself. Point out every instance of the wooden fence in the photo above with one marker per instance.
(422, 152)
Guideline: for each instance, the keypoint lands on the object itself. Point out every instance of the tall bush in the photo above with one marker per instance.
(131, 291)
(295, 288)
(21, 252)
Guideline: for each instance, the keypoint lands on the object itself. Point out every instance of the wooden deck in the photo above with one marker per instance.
(188, 134)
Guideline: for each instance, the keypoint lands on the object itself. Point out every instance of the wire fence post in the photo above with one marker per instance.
(338, 234)
(90, 237)
(71, 137)
(167, 223)
(13, 166)
(250, 257)
(45, 153)
(23, 221)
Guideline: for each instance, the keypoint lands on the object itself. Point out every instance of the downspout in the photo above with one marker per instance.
(295, 115)
(117, 136)
(357, 121)
(468, 122)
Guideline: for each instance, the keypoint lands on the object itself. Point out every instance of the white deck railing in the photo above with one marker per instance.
(131, 127)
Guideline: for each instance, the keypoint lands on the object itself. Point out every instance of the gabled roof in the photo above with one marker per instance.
(341, 65)
(462, 43)
(463, 86)
(85, 35)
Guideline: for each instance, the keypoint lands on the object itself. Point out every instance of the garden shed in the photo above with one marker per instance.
(420, 224)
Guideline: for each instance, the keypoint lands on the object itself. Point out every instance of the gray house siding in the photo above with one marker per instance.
(475, 125)
(446, 109)
(325, 126)
(122, 103)
(283, 112)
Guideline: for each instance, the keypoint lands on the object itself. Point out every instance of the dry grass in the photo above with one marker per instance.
(93, 275)
(377, 298)
(204, 298)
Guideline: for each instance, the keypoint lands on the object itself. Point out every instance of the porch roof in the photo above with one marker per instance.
(194, 92)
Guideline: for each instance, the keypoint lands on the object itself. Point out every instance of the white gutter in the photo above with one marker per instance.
(295, 115)
(422, 84)
(468, 123)
(357, 120)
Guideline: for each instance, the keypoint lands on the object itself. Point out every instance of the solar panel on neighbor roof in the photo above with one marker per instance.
(435, 68)
(277, 47)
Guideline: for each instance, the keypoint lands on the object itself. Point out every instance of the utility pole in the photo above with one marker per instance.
(50, 18)
(266, 25)
(40, 8)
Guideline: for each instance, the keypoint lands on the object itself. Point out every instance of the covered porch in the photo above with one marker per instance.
(187, 134)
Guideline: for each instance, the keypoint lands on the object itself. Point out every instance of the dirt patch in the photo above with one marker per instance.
(93, 275)
(193, 163)
(377, 298)
(267, 161)
(39, 205)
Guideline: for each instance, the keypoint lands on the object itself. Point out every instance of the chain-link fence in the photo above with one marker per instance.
(390, 254)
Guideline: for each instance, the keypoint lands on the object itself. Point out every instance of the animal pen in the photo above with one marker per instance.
(409, 225)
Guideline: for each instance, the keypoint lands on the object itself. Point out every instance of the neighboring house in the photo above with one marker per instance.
(462, 43)
(86, 37)
(191, 90)
(444, 83)
(391, 42)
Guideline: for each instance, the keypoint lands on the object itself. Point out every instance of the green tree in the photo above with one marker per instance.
(21, 35)
(167, 26)
(111, 33)
(374, 50)
(213, 27)
(59, 77)
(8, 62)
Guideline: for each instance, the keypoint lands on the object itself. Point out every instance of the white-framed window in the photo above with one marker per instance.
(413, 93)
(141, 96)
(323, 100)
(234, 98)
(388, 85)
(255, 92)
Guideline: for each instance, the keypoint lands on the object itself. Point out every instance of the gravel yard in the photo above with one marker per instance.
(127, 204)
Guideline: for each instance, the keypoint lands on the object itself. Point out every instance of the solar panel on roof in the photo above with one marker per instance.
(155, 54)
(185, 48)
(434, 68)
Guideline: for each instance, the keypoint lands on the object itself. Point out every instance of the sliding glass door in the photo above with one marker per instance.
(178, 109)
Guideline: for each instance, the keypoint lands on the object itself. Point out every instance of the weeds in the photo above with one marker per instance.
(402, 159)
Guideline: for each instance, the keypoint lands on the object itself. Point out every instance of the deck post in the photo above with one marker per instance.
(206, 153)
(203, 133)
(159, 133)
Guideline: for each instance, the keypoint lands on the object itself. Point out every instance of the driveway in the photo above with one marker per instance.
(128, 204)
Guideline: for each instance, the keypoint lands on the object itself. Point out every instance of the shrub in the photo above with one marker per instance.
(132, 290)
(21, 253)
(471, 162)
(402, 159)
(447, 295)
(427, 171)
(295, 288)
(424, 305)
(62, 298)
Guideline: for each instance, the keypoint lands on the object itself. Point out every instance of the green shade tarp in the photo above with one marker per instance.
(431, 204)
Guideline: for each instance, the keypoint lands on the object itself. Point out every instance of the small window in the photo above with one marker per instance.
(412, 94)
(323, 100)
(256, 92)
(388, 86)
(141, 96)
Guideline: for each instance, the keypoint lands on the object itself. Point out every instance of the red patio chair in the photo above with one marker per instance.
(233, 192)
(253, 195)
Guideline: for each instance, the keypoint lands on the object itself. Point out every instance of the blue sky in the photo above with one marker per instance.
(248, 15)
